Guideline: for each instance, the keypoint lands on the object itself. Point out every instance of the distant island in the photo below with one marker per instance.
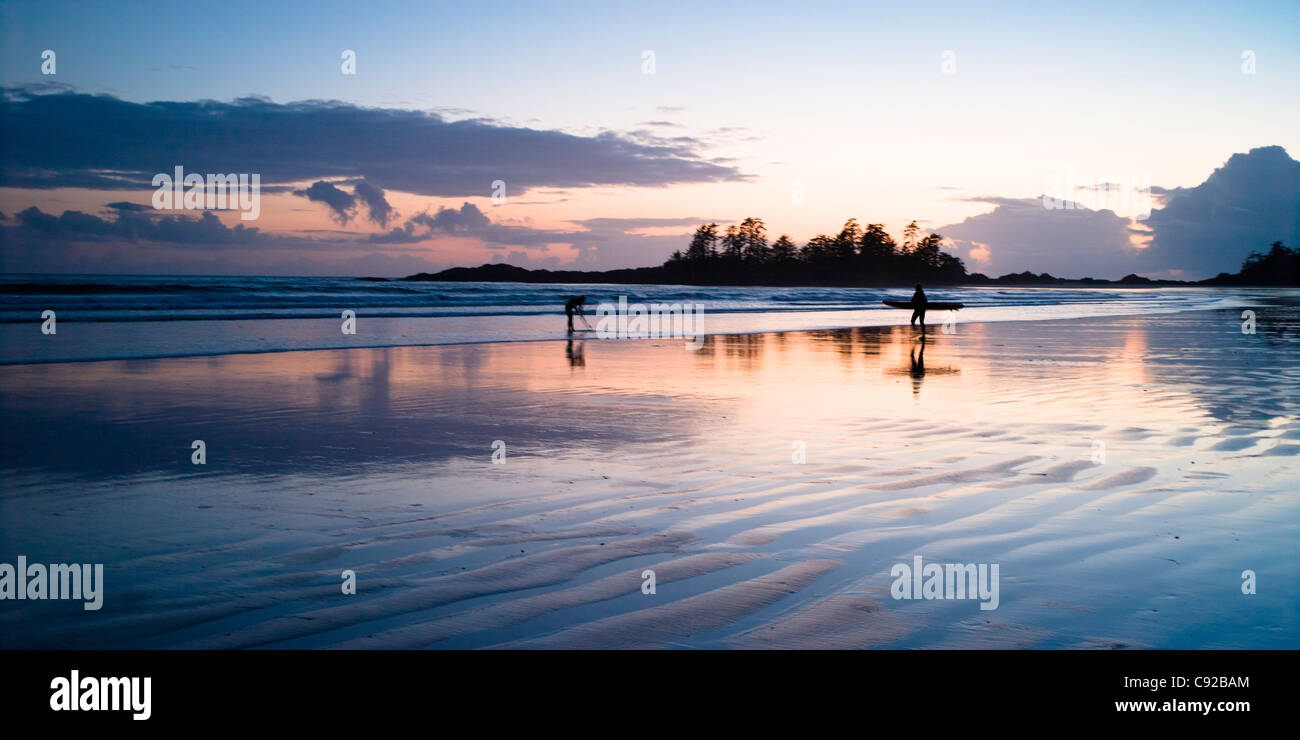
(855, 257)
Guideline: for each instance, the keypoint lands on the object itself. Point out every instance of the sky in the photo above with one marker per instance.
(616, 128)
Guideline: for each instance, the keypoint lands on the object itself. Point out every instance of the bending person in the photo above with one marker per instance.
(573, 306)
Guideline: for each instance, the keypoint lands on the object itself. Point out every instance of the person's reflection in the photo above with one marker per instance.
(573, 351)
(918, 366)
(917, 370)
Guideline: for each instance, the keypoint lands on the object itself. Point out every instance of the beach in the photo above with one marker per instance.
(1122, 471)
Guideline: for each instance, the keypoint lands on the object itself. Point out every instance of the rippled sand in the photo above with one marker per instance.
(620, 457)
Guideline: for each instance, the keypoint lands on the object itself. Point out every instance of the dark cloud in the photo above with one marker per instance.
(1022, 234)
(124, 206)
(1245, 205)
(601, 243)
(467, 221)
(47, 143)
(1250, 202)
(376, 204)
(343, 205)
(132, 224)
(35, 241)
(341, 202)
(140, 240)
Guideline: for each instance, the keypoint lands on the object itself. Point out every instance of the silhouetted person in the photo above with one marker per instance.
(575, 306)
(918, 307)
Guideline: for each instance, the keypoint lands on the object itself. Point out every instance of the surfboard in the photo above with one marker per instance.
(931, 306)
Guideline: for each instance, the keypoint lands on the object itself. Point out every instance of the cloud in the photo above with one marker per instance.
(1021, 234)
(376, 204)
(467, 221)
(631, 224)
(612, 243)
(1250, 202)
(600, 243)
(48, 144)
(1243, 206)
(136, 239)
(341, 202)
(133, 223)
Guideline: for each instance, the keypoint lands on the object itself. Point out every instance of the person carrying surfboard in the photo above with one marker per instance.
(920, 304)
(918, 307)
(573, 306)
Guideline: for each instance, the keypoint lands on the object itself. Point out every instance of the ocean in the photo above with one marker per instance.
(127, 317)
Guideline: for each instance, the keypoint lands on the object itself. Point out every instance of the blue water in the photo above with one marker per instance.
(166, 298)
(122, 317)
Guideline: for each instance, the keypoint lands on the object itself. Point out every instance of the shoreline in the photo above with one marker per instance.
(799, 321)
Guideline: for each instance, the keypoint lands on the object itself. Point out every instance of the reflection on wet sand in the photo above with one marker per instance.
(625, 455)
(402, 404)
(573, 351)
(916, 368)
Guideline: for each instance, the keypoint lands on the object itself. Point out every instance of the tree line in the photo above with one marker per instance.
(1280, 265)
(857, 255)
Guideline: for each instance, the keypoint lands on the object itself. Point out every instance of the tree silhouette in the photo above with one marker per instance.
(753, 238)
(1280, 266)
(856, 255)
(704, 244)
(733, 245)
(783, 251)
(876, 246)
(909, 237)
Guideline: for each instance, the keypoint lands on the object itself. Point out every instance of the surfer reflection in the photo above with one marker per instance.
(916, 368)
(573, 351)
(574, 307)
(918, 310)
(918, 361)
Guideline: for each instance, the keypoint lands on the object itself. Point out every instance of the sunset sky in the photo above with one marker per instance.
(617, 130)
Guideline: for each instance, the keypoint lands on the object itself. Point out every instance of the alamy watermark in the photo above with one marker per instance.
(38, 581)
(625, 320)
(195, 192)
(946, 581)
(102, 694)
(1123, 194)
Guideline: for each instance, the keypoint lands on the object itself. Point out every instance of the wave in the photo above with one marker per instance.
(137, 299)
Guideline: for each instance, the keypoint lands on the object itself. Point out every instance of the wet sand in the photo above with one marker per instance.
(620, 457)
